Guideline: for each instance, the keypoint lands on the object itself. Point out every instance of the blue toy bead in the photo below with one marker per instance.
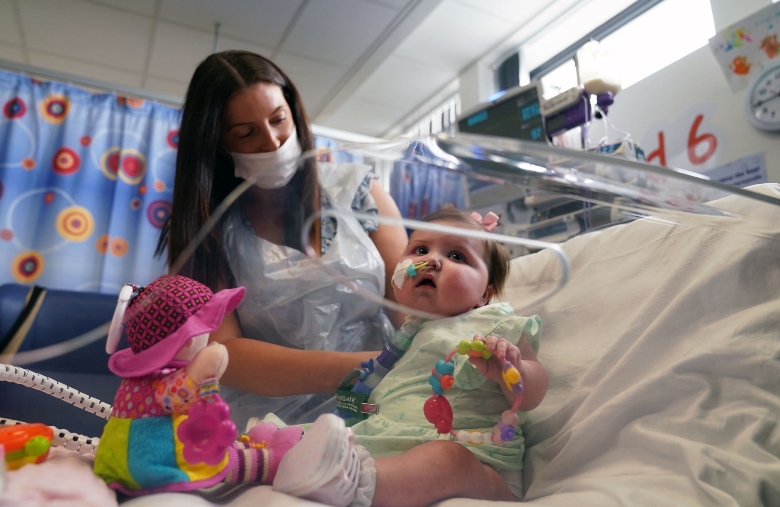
(435, 385)
(444, 368)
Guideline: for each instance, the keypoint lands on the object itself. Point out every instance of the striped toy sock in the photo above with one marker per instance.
(247, 463)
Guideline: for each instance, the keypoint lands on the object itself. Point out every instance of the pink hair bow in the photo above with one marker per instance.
(490, 222)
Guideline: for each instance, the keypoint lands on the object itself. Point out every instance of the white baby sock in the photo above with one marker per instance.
(366, 479)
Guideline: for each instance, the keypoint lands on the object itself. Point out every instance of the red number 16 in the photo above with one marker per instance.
(694, 140)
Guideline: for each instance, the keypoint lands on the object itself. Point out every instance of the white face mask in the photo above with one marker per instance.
(273, 169)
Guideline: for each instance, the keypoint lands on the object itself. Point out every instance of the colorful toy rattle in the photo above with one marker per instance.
(438, 410)
(25, 443)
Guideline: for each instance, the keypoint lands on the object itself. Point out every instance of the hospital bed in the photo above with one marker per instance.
(664, 359)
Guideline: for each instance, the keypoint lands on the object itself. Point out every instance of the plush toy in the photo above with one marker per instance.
(277, 442)
(169, 429)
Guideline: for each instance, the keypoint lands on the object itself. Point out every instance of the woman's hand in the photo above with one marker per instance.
(268, 369)
(502, 350)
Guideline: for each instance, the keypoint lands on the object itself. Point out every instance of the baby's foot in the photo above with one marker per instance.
(323, 466)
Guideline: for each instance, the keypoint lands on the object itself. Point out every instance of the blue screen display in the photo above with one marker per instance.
(515, 115)
(530, 111)
(474, 119)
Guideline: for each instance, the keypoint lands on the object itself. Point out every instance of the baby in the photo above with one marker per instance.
(397, 457)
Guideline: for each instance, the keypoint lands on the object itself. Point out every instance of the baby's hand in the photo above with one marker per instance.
(502, 350)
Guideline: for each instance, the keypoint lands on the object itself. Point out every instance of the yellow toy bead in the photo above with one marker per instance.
(464, 347)
(511, 377)
(477, 346)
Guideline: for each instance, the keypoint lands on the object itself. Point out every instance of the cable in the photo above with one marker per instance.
(64, 438)
(585, 127)
(74, 441)
(17, 375)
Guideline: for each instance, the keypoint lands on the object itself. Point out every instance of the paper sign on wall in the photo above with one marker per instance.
(745, 171)
(745, 48)
(691, 141)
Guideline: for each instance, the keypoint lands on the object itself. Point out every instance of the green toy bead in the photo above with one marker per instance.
(477, 346)
(464, 347)
(36, 446)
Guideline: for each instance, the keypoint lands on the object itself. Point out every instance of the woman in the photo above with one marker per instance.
(244, 119)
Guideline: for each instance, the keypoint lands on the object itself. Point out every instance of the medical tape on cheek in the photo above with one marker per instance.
(407, 268)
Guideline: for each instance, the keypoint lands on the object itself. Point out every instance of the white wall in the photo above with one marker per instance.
(727, 12)
(476, 85)
(670, 100)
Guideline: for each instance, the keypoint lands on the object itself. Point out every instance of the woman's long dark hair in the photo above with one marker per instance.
(205, 174)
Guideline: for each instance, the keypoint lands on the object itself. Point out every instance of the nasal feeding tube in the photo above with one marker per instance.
(407, 268)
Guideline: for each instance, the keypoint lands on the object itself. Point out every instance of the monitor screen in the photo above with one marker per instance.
(516, 114)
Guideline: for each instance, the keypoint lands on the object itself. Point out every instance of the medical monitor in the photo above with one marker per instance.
(515, 114)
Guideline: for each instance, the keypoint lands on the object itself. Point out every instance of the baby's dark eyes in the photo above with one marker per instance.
(457, 257)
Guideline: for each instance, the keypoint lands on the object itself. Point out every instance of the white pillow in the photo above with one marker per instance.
(663, 357)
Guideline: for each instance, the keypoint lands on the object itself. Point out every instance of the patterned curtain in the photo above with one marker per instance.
(419, 187)
(85, 185)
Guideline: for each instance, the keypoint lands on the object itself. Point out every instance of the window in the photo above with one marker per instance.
(440, 119)
(559, 79)
(568, 29)
(661, 36)
(508, 72)
(642, 36)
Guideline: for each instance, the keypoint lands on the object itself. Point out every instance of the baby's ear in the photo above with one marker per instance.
(488, 295)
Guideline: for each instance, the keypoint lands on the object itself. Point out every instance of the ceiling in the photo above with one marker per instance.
(362, 66)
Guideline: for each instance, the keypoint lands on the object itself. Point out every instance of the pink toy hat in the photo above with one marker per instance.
(162, 318)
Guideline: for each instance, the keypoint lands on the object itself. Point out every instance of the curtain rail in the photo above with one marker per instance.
(164, 98)
(131, 91)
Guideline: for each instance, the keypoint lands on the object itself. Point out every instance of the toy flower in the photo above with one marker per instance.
(207, 432)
